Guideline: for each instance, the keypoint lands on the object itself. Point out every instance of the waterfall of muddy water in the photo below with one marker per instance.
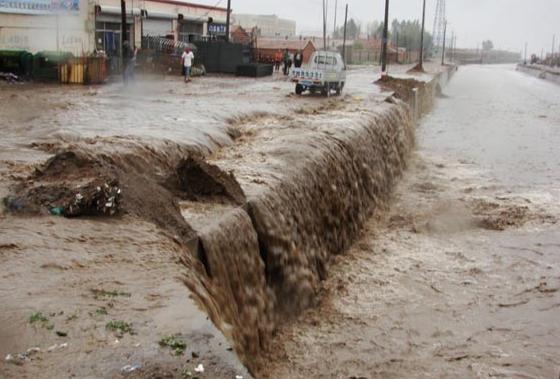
(311, 183)
(239, 301)
(260, 220)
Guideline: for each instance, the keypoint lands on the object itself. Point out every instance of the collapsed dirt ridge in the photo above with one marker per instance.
(260, 262)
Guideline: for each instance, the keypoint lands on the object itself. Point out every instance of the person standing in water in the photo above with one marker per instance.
(187, 58)
(298, 59)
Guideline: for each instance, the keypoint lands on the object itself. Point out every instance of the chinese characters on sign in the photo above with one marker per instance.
(215, 28)
(39, 6)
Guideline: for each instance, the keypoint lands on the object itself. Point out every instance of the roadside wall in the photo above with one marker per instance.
(545, 73)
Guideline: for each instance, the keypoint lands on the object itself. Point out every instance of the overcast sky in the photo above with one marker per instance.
(508, 23)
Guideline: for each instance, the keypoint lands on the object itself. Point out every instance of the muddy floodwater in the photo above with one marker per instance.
(460, 277)
(231, 225)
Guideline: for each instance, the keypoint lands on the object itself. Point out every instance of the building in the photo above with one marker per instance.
(267, 48)
(269, 26)
(240, 35)
(82, 26)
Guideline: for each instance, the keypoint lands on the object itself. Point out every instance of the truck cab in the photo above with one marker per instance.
(325, 72)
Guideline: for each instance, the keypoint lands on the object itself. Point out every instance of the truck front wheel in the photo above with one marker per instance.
(299, 89)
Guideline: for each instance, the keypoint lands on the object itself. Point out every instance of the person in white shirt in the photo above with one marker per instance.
(187, 59)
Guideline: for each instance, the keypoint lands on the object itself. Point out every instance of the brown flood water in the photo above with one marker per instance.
(65, 281)
(460, 278)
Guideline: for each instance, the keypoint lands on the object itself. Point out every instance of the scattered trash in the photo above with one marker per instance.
(57, 347)
(238, 377)
(199, 368)
(20, 359)
(13, 204)
(57, 211)
(130, 368)
(9, 77)
(101, 200)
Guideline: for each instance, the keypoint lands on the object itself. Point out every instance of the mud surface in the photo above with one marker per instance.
(459, 278)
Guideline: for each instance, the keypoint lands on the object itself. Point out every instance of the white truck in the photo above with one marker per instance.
(324, 72)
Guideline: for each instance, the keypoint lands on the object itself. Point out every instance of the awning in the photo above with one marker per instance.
(161, 15)
(105, 9)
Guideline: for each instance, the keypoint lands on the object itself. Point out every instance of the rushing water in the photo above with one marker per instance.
(461, 279)
(502, 120)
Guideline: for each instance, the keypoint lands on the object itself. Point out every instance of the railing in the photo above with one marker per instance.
(165, 46)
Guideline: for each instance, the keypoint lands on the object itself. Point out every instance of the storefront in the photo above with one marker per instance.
(83, 26)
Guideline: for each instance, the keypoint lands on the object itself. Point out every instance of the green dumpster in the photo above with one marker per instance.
(45, 65)
(18, 62)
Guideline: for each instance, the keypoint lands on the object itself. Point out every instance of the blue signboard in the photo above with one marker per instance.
(39, 6)
(215, 28)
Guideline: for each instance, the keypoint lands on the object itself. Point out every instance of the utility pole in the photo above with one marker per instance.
(443, 46)
(124, 37)
(397, 44)
(552, 53)
(344, 41)
(324, 26)
(525, 59)
(228, 19)
(452, 47)
(421, 63)
(385, 39)
(335, 12)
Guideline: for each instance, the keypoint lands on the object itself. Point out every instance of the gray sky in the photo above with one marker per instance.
(508, 23)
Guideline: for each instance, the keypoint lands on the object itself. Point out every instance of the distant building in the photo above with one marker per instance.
(81, 26)
(267, 48)
(270, 26)
(240, 35)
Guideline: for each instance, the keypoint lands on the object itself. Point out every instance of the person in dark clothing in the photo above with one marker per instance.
(298, 59)
(287, 62)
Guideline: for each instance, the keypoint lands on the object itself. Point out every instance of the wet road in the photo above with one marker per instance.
(502, 120)
(460, 277)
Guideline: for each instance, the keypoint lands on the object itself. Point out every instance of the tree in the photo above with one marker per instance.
(487, 45)
(353, 30)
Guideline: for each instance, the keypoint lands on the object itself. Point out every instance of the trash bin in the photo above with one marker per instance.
(46, 65)
(17, 62)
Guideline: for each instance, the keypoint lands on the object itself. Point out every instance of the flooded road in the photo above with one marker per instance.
(93, 296)
(459, 278)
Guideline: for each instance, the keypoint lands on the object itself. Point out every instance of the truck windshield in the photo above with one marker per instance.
(323, 59)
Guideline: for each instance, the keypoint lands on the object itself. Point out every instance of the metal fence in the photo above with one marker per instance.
(166, 46)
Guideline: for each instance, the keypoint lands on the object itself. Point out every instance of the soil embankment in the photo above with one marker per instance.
(257, 222)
